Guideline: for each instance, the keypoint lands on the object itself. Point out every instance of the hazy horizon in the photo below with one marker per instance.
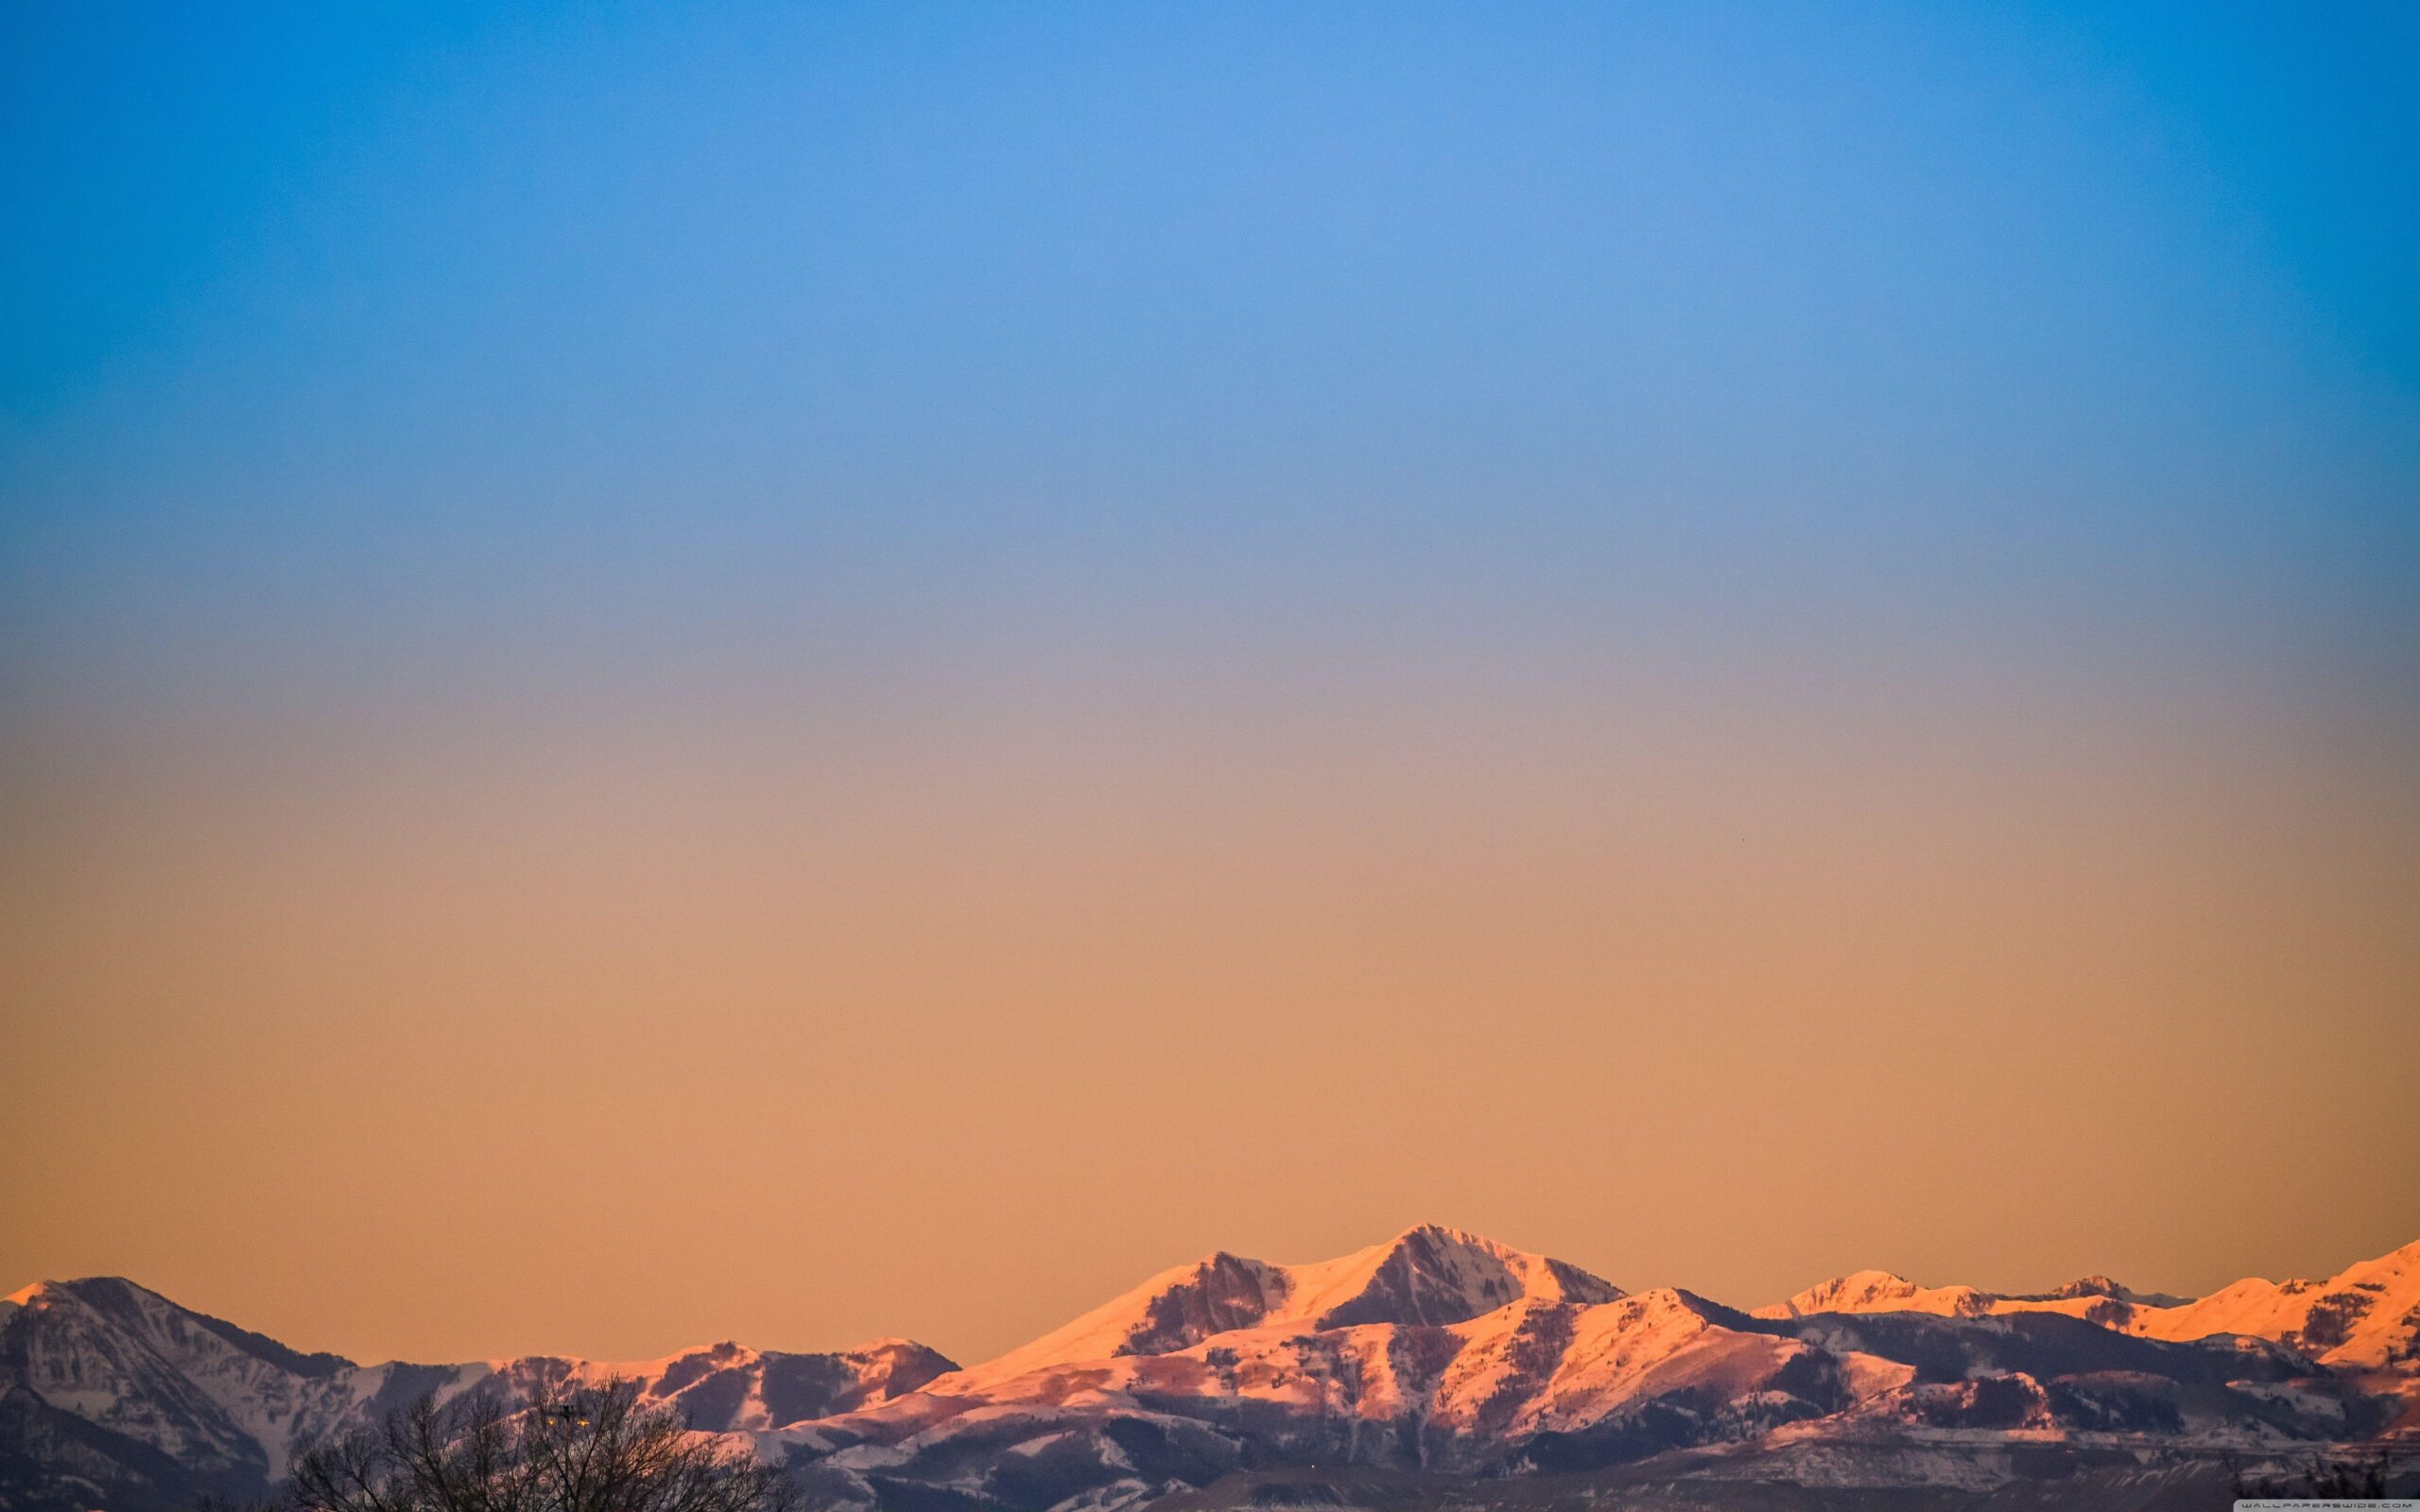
(1076, 1310)
(804, 674)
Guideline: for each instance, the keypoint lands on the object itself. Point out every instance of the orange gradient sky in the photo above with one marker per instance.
(606, 1036)
(799, 673)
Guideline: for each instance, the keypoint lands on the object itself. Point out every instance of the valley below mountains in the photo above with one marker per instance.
(1438, 1368)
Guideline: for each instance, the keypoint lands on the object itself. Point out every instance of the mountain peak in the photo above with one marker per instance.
(1431, 1274)
(1879, 1291)
(1486, 1356)
(111, 1292)
(1428, 1274)
(1441, 1233)
(2097, 1285)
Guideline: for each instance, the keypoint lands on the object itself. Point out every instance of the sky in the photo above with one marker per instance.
(810, 672)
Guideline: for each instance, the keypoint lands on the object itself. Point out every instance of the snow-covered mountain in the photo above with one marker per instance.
(2366, 1317)
(1564, 1375)
(1426, 1276)
(1879, 1291)
(114, 1397)
(1432, 1367)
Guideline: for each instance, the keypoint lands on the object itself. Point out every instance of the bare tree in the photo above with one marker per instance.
(574, 1449)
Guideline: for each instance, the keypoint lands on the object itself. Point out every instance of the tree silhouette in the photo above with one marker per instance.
(572, 1449)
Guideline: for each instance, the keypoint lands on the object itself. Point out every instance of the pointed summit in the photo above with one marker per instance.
(1430, 1274)
(1879, 1291)
(1435, 1275)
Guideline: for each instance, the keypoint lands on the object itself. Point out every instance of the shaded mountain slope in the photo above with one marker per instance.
(1437, 1359)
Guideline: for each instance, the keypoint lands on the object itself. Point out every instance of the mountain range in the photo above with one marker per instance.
(1436, 1368)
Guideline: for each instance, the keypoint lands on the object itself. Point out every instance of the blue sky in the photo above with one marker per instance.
(393, 333)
